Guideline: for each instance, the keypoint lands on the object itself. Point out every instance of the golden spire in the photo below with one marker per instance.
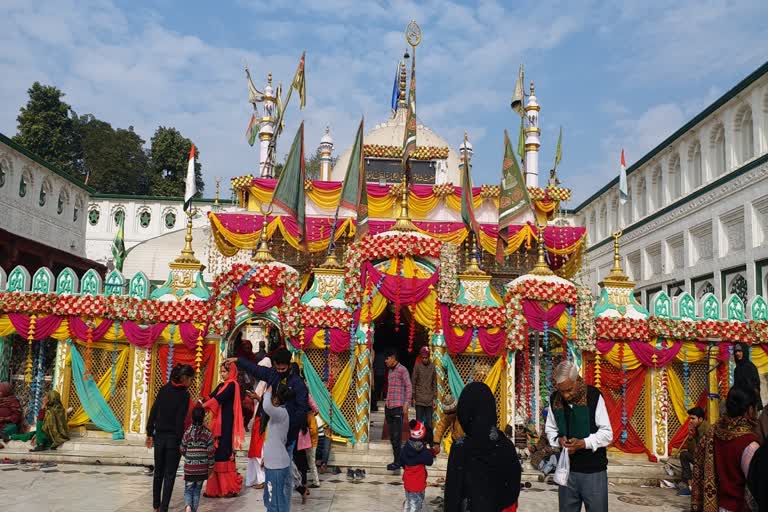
(401, 101)
(262, 251)
(218, 188)
(186, 260)
(616, 277)
(473, 268)
(404, 219)
(541, 268)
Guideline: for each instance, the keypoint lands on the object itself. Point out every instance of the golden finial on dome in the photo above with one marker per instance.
(541, 268)
(531, 87)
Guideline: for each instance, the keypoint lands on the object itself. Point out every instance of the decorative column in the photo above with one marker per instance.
(326, 150)
(659, 407)
(362, 374)
(438, 353)
(62, 351)
(713, 406)
(267, 131)
(139, 390)
(532, 140)
(510, 395)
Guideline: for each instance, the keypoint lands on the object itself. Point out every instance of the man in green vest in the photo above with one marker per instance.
(578, 422)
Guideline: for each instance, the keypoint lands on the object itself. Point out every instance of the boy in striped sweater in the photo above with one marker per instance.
(198, 451)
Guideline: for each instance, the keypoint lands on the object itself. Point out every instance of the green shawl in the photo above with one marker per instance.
(55, 420)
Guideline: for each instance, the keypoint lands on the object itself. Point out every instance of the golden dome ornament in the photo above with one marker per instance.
(413, 34)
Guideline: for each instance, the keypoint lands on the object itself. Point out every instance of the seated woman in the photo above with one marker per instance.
(51, 431)
(10, 412)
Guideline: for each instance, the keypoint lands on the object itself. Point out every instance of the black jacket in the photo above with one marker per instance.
(745, 376)
(168, 413)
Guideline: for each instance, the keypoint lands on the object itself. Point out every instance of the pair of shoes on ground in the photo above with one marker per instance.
(393, 467)
(355, 474)
(683, 490)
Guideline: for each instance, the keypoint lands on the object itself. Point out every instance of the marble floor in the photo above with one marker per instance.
(30, 487)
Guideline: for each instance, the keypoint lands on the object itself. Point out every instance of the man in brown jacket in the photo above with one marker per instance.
(424, 379)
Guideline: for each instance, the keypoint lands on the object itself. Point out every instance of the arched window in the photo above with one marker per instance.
(45, 190)
(119, 216)
(145, 218)
(614, 222)
(745, 145)
(604, 230)
(62, 201)
(24, 183)
(592, 227)
(93, 216)
(640, 200)
(2, 174)
(674, 177)
(717, 145)
(78, 207)
(657, 192)
(738, 287)
(170, 219)
(695, 177)
(704, 288)
(628, 207)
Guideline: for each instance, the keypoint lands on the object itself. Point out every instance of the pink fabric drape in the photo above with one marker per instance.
(260, 303)
(189, 334)
(44, 326)
(143, 337)
(491, 343)
(644, 351)
(536, 315)
(79, 329)
(412, 289)
(339, 339)
(724, 352)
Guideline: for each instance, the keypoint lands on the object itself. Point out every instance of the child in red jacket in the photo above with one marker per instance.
(414, 459)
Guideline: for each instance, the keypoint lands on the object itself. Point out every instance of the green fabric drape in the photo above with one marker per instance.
(324, 402)
(455, 381)
(5, 359)
(90, 397)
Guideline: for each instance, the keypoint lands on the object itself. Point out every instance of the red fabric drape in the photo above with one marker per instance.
(184, 355)
(677, 440)
(611, 380)
(339, 339)
(412, 289)
(458, 343)
(143, 337)
(260, 303)
(536, 315)
(79, 329)
(44, 326)
(190, 334)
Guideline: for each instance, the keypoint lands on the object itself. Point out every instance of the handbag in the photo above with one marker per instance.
(563, 468)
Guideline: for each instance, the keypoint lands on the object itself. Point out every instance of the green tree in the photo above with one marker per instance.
(114, 160)
(45, 127)
(169, 157)
(311, 165)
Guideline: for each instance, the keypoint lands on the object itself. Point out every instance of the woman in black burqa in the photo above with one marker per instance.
(483, 468)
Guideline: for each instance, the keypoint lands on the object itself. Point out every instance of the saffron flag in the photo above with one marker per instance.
(289, 191)
(250, 133)
(299, 82)
(190, 188)
(559, 150)
(467, 206)
(409, 137)
(513, 196)
(353, 191)
(395, 91)
(623, 195)
(118, 245)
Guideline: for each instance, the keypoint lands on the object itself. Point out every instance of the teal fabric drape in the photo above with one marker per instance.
(455, 381)
(90, 397)
(5, 359)
(324, 401)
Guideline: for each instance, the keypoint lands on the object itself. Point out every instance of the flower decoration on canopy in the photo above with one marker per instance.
(726, 330)
(545, 289)
(517, 325)
(585, 326)
(549, 194)
(490, 191)
(421, 152)
(381, 247)
(448, 283)
(443, 190)
(330, 318)
(630, 329)
(465, 315)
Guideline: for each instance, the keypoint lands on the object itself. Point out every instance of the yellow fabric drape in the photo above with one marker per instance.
(342, 385)
(328, 199)
(677, 396)
(494, 376)
(760, 358)
(630, 360)
(691, 352)
(562, 324)
(6, 327)
(80, 417)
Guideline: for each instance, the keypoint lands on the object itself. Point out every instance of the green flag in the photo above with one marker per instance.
(289, 191)
(521, 141)
(353, 192)
(118, 245)
(467, 204)
(559, 151)
(409, 137)
(514, 193)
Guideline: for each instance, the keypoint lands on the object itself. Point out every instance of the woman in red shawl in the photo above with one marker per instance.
(228, 434)
(10, 412)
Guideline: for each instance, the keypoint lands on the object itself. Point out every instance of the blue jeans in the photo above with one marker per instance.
(323, 450)
(414, 501)
(277, 489)
(589, 489)
(192, 494)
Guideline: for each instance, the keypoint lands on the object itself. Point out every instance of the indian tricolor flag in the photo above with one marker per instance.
(251, 132)
(623, 195)
(190, 189)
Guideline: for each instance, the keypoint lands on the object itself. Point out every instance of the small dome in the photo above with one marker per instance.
(466, 145)
(327, 139)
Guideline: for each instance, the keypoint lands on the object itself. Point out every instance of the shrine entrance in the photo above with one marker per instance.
(400, 333)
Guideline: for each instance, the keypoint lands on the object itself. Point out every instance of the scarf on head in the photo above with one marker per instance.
(55, 419)
(704, 483)
(238, 430)
(578, 420)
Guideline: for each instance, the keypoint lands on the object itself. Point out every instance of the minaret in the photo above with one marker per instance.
(466, 147)
(532, 140)
(326, 149)
(267, 130)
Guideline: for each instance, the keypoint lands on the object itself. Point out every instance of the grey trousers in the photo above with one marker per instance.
(591, 489)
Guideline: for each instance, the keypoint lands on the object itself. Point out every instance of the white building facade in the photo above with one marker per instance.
(696, 218)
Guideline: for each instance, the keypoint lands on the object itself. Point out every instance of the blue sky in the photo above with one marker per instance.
(612, 74)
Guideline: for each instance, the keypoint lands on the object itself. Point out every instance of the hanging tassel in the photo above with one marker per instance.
(527, 375)
(686, 384)
(169, 364)
(623, 394)
(397, 293)
(731, 366)
(113, 375)
(547, 363)
(327, 358)
(148, 367)
(199, 353)
(88, 350)
(597, 377)
(411, 327)
(472, 355)
(30, 338)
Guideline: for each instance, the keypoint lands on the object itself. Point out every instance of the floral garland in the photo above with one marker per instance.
(448, 282)
(464, 315)
(395, 190)
(544, 291)
(329, 318)
(383, 247)
(726, 330)
(490, 191)
(621, 329)
(421, 152)
(443, 190)
(549, 194)
(240, 182)
(517, 325)
(585, 325)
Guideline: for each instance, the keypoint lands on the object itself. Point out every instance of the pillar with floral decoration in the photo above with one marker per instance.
(362, 374)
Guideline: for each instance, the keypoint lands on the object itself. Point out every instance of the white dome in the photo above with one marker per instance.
(327, 139)
(390, 133)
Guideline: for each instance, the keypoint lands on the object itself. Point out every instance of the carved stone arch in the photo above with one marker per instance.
(695, 165)
(717, 150)
(138, 287)
(114, 212)
(674, 171)
(67, 283)
(758, 309)
(744, 129)
(94, 214)
(704, 288)
(170, 217)
(45, 194)
(3, 279)
(737, 285)
(143, 217)
(19, 280)
(662, 305)
(63, 200)
(6, 164)
(77, 212)
(115, 283)
(26, 182)
(91, 283)
(641, 192)
(605, 228)
(657, 190)
(685, 306)
(734, 308)
(43, 281)
(710, 307)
